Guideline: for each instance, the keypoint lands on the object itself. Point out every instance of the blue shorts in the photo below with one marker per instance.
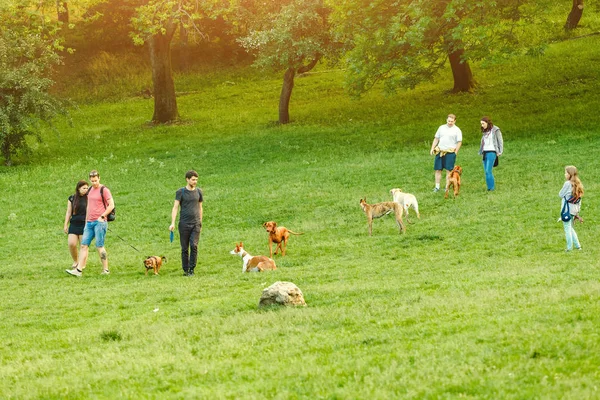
(446, 162)
(94, 229)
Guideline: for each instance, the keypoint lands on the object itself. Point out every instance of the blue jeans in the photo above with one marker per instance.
(488, 164)
(571, 235)
(94, 229)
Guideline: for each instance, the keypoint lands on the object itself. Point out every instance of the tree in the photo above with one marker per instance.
(575, 15)
(405, 42)
(62, 10)
(290, 36)
(29, 47)
(156, 24)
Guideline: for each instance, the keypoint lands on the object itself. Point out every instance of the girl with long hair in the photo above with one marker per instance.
(491, 148)
(571, 192)
(75, 218)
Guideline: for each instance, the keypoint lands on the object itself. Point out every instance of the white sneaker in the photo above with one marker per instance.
(73, 272)
(435, 190)
(105, 272)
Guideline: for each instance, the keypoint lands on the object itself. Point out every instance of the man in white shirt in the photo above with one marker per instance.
(445, 146)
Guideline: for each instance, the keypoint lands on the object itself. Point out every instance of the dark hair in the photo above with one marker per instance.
(489, 122)
(76, 196)
(94, 173)
(190, 173)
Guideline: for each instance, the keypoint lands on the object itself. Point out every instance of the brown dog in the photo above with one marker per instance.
(252, 263)
(279, 235)
(380, 209)
(154, 263)
(454, 181)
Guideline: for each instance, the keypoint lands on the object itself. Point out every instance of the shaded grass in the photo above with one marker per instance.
(477, 300)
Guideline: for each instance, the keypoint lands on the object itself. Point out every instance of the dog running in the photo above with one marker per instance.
(454, 181)
(380, 209)
(252, 263)
(154, 263)
(406, 200)
(278, 235)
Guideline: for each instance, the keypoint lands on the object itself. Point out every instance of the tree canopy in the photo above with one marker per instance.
(405, 42)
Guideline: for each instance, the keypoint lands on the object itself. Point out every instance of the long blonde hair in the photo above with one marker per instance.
(577, 190)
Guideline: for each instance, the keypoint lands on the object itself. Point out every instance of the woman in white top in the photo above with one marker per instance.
(491, 148)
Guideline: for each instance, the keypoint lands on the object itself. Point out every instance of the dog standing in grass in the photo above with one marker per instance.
(278, 235)
(154, 263)
(379, 210)
(406, 200)
(454, 181)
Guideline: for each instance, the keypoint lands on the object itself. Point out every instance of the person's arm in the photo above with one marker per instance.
(174, 215)
(458, 144)
(200, 210)
(68, 216)
(109, 208)
(435, 143)
(566, 190)
(500, 142)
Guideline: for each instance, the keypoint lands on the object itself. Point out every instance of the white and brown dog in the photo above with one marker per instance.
(406, 200)
(252, 263)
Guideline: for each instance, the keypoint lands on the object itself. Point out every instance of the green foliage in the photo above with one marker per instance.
(403, 43)
(286, 34)
(29, 48)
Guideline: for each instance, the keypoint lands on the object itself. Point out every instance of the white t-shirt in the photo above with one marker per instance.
(449, 137)
(488, 142)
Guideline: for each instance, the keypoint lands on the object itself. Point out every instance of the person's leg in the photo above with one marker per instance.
(488, 165)
(73, 241)
(194, 237)
(574, 237)
(437, 166)
(100, 234)
(568, 235)
(184, 240)
(86, 240)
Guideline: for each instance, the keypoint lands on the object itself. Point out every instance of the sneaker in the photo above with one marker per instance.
(435, 190)
(74, 272)
(105, 272)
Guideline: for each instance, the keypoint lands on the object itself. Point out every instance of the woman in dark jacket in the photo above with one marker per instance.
(491, 148)
(75, 218)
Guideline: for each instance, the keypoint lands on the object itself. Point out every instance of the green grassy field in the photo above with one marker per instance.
(477, 300)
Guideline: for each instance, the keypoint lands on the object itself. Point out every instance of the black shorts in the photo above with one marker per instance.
(76, 228)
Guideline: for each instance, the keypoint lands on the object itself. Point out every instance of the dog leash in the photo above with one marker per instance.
(122, 240)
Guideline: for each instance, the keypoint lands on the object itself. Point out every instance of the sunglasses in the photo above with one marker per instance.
(93, 175)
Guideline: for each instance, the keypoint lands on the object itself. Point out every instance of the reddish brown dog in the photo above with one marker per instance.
(454, 181)
(154, 263)
(279, 235)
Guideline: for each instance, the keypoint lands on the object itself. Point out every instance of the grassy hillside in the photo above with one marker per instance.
(477, 300)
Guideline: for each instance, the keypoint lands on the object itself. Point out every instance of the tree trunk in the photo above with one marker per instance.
(165, 102)
(286, 94)
(574, 15)
(62, 9)
(461, 71)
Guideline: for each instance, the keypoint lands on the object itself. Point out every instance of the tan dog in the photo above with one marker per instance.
(279, 235)
(380, 209)
(154, 263)
(253, 263)
(454, 181)
(406, 200)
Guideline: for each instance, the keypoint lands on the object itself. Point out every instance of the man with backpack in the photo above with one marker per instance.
(189, 198)
(99, 208)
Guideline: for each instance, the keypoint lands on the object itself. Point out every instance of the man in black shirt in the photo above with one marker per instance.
(189, 198)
